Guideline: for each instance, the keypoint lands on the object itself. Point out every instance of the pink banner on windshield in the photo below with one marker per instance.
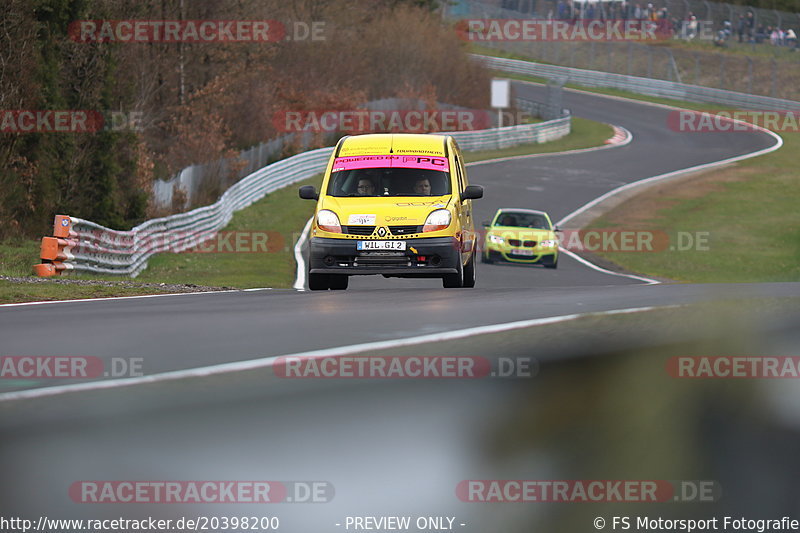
(422, 162)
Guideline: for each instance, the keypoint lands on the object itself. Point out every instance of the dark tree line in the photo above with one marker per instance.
(194, 102)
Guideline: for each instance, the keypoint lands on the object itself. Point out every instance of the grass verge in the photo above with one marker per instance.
(745, 217)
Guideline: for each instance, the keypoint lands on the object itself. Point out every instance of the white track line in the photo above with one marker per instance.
(591, 265)
(300, 277)
(266, 362)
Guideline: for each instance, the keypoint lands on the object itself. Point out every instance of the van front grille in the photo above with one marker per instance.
(358, 230)
(405, 230)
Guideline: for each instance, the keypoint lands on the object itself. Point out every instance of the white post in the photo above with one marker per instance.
(501, 97)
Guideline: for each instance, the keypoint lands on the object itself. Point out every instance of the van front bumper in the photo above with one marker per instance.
(423, 257)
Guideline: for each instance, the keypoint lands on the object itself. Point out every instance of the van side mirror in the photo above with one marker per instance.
(309, 192)
(472, 192)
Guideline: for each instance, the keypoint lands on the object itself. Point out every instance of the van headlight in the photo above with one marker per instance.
(437, 220)
(328, 221)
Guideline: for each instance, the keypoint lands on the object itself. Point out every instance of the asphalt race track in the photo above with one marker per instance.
(197, 330)
(401, 447)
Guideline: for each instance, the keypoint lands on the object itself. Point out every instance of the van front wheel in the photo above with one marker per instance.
(318, 282)
(338, 282)
(469, 272)
(454, 281)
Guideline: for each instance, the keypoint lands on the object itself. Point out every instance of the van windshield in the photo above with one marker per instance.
(389, 182)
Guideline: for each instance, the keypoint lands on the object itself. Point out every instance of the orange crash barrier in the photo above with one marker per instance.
(56, 251)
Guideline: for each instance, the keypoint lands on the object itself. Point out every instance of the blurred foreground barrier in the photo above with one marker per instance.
(90, 247)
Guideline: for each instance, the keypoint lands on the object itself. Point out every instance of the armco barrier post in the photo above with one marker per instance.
(56, 251)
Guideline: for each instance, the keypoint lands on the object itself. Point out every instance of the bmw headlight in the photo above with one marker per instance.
(548, 244)
(496, 239)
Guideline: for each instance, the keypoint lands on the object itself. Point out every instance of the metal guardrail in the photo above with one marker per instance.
(645, 86)
(97, 249)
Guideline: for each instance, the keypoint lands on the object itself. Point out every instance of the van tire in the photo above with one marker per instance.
(454, 281)
(338, 282)
(318, 282)
(469, 272)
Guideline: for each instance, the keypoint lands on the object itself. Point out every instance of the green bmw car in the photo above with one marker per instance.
(521, 236)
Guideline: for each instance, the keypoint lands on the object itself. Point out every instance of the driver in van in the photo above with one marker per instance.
(366, 187)
(422, 187)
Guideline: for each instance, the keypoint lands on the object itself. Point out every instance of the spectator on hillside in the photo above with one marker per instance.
(723, 34)
(676, 27)
(759, 34)
(740, 27)
(653, 15)
(691, 28)
(561, 9)
(774, 35)
(791, 39)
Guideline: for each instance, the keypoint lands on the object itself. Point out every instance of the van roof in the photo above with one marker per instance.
(393, 143)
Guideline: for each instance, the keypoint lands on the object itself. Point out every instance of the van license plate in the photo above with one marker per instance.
(381, 245)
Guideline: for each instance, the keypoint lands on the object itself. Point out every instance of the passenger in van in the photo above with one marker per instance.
(365, 187)
(422, 187)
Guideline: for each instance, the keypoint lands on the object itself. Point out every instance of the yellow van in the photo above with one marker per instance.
(393, 204)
